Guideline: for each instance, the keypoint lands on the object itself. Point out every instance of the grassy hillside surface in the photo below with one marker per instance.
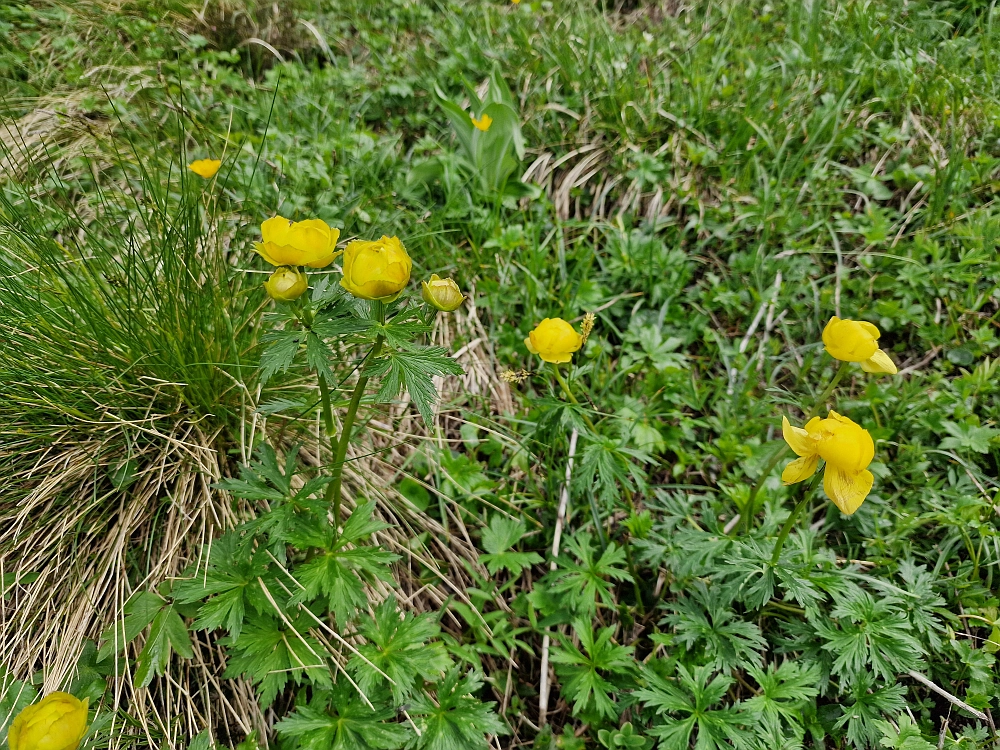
(599, 554)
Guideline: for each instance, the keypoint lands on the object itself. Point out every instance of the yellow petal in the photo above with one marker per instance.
(879, 362)
(844, 443)
(847, 489)
(871, 328)
(205, 168)
(799, 440)
(799, 470)
(531, 347)
(850, 340)
(275, 230)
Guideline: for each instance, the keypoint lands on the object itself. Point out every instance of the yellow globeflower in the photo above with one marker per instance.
(443, 294)
(286, 284)
(57, 722)
(298, 243)
(856, 341)
(376, 270)
(483, 123)
(205, 167)
(554, 340)
(847, 449)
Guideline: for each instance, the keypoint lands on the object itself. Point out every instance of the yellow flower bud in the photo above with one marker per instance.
(286, 284)
(856, 341)
(554, 340)
(205, 168)
(57, 722)
(846, 447)
(377, 270)
(298, 243)
(483, 123)
(443, 294)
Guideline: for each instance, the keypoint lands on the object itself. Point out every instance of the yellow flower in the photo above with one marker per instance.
(483, 123)
(554, 340)
(205, 167)
(847, 449)
(443, 294)
(287, 283)
(57, 722)
(856, 341)
(376, 270)
(298, 243)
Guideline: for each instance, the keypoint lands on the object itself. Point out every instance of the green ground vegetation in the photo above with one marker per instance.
(713, 180)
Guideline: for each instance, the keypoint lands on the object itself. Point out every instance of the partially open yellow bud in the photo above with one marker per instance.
(554, 340)
(856, 341)
(310, 243)
(443, 294)
(205, 168)
(57, 722)
(286, 284)
(377, 270)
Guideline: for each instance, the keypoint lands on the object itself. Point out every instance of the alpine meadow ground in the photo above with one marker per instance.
(442, 374)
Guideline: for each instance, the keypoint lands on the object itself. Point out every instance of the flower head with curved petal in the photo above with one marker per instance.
(845, 447)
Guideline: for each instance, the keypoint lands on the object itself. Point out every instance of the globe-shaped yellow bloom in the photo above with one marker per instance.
(554, 340)
(856, 341)
(286, 284)
(443, 294)
(57, 722)
(847, 449)
(376, 270)
(298, 243)
(205, 168)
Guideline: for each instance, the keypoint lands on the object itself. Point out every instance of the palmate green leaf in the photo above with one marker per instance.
(457, 720)
(228, 588)
(704, 618)
(264, 478)
(580, 670)
(140, 611)
(690, 706)
(785, 691)
(341, 569)
(869, 636)
(980, 665)
(609, 467)
(414, 370)
(270, 652)
(869, 702)
(498, 539)
(588, 581)
(399, 644)
(906, 737)
(167, 632)
(282, 346)
(338, 719)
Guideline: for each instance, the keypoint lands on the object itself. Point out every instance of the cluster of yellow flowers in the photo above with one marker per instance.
(57, 722)
(845, 446)
(372, 269)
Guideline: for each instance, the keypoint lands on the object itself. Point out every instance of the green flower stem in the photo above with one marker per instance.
(333, 490)
(750, 507)
(569, 394)
(324, 395)
(783, 534)
(590, 495)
